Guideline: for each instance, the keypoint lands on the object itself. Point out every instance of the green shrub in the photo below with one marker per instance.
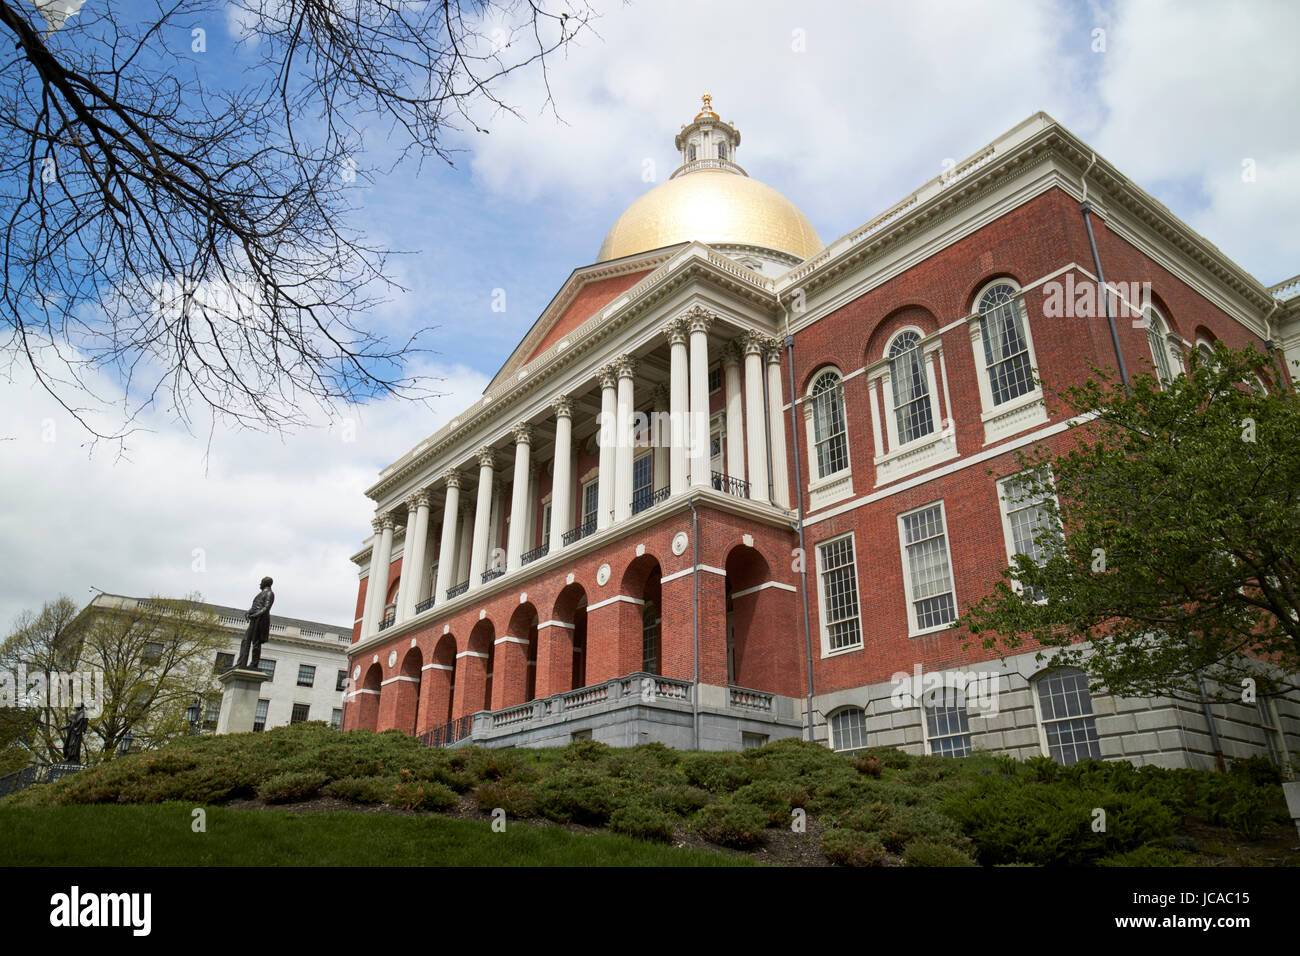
(1149, 855)
(934, 853)
(677, 798)
(717, 772)
(897, 825)
(586, 751)
(774, 798)
(853, 848)
(643, 822)
(731, 824)
(870, 764)
(501, 765)
(292, 786)
(578, 794)
(363, 789)
(517, 800)
(890, 758)
(1258, 770)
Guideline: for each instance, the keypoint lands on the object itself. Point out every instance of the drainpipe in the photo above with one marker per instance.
(1085, 207)
(767, 434)
(1209, 720)
(798, 488)
(695, 579)
(1270, 345)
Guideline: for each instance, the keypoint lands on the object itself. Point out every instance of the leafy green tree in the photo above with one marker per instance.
(145, 665)
(1180, 558)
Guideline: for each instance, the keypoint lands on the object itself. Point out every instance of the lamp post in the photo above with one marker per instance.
(127, 740)
(192, 712)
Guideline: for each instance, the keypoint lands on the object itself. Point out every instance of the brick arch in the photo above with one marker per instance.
(367, 698)
(437, 685)
(562, 643)
(473, 667)
(806, 385)
(905, 317)
(406, 689)
(514, 676)
(760, 620)
(975, 289)
(1171, 320)
(643, 623)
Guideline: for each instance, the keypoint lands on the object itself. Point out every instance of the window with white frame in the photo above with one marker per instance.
(1028, 524)
(1065, 708)
(336, 719)
(546, 523)
(1008, 363)
(590, 497)
(830, 440)
(650, 638)
(947, 726)
(849, 729)
(643, 482)
(928, 580)
(259, 716)
(841, 626)
(1158, 339)
(913, 411)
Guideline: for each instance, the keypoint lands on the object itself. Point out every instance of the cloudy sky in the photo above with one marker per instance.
(844, 107)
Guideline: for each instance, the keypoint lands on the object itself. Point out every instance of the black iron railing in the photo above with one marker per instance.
(580, 532)
(732, 486)
(448, 733)
(491, 574)
(457, 589)
(536, 553)
(387, 623)
(648, 499)
(424, 605)
(24, 778)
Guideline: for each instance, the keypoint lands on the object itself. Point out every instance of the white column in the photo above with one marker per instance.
(466, 544)
(496, 556)
(678, 406)
(562, 472)
(413, 554)
(755, 424)
(607, 436)
(368, 623)
(530, 507)
(735, 426)
(874, 396)
(519, 496)
(626, 368)
(447, 553)
(776, 424)
(699, 319)
(482, 517)
(661, 439)
(379, 562)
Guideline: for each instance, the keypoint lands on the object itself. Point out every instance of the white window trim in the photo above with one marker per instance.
(824, 490)
(901, 460)
(830, 728)
(582, 500)
(1007, 536)
(912, 629)
(822, 619)
(1025, 411)
(1043, 746)
(1170, 341)
(925, 725)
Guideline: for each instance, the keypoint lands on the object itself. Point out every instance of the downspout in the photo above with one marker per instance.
(803, 551)
(1209, 720)
(695, 579)
(1271, 346)
(1085, 207)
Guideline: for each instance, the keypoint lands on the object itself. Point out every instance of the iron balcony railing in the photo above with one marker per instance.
(387, 623)
(732, 486)
(648, 499)
(491, 574)
(448, 733)
(457, 589)
(580, 532)
(424, 606)
(536, 553)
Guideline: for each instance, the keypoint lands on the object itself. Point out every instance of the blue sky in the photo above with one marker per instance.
(845, 108)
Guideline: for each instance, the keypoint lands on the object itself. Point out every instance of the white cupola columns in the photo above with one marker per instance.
(776, 425)
(447, 548)
(482, 516)
(381, 556)
(678, 406)
(735, 412)
(625, 368)
(755, 422)
(413, 554)
(562, 472)
(607, 437)
(698, 321)
(523, 434)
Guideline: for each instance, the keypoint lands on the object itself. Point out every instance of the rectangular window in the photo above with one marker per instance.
(306, 675)
(153, 651)
(590, 497)
(1066, 707)
(267, 667)
(300, 712)
(929, 572)
(546, 525)
(341, 683)
(749, 741)
(224, 661)
(835, 566)
(336, 719)
(1006, 353)
(1028, 525)
(643, 482)
(849, 729)
(947, 728)
(715, 379)
(259, 718)
(211, 711)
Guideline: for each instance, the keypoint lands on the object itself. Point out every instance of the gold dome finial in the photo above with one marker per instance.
(708, 108)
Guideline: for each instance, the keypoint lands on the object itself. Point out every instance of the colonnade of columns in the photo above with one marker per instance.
(755, 439)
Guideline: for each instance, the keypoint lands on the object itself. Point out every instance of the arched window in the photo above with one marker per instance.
(1065, 708)
(650, 638)
(911, 384)
(849, 729)
(829, 436)
(722, 151)
(1158, 339)
(690, 153)
(1007, 361)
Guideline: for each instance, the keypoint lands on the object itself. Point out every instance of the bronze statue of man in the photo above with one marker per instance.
(74, 734)
(259, 627)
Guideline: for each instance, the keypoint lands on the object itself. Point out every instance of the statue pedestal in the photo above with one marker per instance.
(240, 689)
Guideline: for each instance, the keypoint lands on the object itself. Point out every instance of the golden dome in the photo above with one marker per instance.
(713, 206)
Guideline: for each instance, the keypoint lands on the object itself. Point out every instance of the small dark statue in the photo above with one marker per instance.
(73, 734)
(259, 627)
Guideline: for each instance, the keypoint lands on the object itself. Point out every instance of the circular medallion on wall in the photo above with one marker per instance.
(680, 541)
(392, 658)
(356, 672)
(602, 575)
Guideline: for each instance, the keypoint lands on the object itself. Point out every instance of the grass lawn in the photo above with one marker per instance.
(160, 835)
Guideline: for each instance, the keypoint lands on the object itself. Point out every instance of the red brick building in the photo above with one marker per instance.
(734, 481)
